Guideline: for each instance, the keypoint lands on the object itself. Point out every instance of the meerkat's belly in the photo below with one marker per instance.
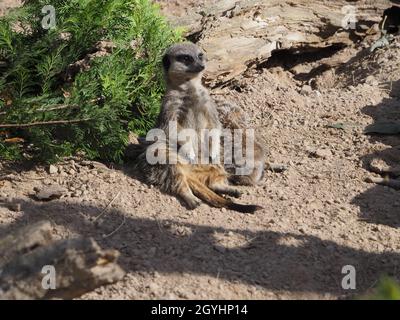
(198, 116)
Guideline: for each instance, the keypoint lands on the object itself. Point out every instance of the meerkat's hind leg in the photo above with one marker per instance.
(215, 200)
(190, 200)
(238, 180)
(252, 179)
(183, 190)
(215, 177)
(222, 188)
(219, 184)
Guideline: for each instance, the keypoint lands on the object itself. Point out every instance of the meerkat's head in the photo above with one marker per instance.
(183, 62)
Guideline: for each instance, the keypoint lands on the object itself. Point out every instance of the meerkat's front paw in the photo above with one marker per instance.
(192, 203)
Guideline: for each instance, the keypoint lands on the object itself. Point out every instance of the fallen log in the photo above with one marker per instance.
(25, 240)
(240, 34)
(391, 183)
(64, 269)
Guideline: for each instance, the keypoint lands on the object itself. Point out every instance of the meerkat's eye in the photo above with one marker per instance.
(201, 56)
(185, 58)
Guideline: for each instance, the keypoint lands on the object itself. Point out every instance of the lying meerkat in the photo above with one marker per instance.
(188, 104)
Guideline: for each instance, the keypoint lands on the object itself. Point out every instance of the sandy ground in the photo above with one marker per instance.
(180, 7)
(318, 216)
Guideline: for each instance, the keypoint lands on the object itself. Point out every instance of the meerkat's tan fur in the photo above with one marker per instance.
(233, 118)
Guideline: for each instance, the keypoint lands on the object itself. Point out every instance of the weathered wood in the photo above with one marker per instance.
(238, 34)
(25, 240)
(80, 265)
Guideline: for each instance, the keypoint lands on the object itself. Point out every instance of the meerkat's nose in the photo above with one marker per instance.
(201, 67)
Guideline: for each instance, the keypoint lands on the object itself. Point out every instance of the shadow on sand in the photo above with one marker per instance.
(147, 245)
(381, 205)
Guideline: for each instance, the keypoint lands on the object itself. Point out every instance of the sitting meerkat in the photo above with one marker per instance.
(233, 118)
(187, 103)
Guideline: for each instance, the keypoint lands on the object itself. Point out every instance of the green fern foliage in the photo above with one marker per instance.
(53, 112)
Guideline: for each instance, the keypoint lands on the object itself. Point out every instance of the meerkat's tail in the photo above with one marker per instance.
(243, 208)
(206, 194)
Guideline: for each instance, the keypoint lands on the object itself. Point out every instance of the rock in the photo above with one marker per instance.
(306, 90)
(154, 288)
(76, 194)
(277, 167)
(93, 165)
(302, 230)
(81, 265)
(16, 207)
(50, 193)
(371, 80)
(373, 238)
(220, 249)
(376, 228)
(53, 169)
(322, 153)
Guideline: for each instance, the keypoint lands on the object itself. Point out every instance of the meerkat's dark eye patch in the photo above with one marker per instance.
(201, 56)
(166, 62)
(185, 58)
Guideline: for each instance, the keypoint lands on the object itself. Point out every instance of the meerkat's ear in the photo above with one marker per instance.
(166, 62)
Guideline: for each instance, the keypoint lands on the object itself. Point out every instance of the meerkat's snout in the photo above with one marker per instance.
(196, 68)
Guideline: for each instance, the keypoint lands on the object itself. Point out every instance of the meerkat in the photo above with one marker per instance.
(186, 101)
(233, 118)
(188, 104)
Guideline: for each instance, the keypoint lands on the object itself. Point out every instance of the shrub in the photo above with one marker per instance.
(387, 289)
(48, 110)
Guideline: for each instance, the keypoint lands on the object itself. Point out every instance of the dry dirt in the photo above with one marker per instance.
(318, 216)
(179, 7)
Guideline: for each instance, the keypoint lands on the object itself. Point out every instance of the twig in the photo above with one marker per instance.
(219, 271)
(116, 230)
(276, 167)
(105, 209)
(158, 223)
(60, 107)
(372, 285)
(383, 24)
(392, 183)
(44, 123)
